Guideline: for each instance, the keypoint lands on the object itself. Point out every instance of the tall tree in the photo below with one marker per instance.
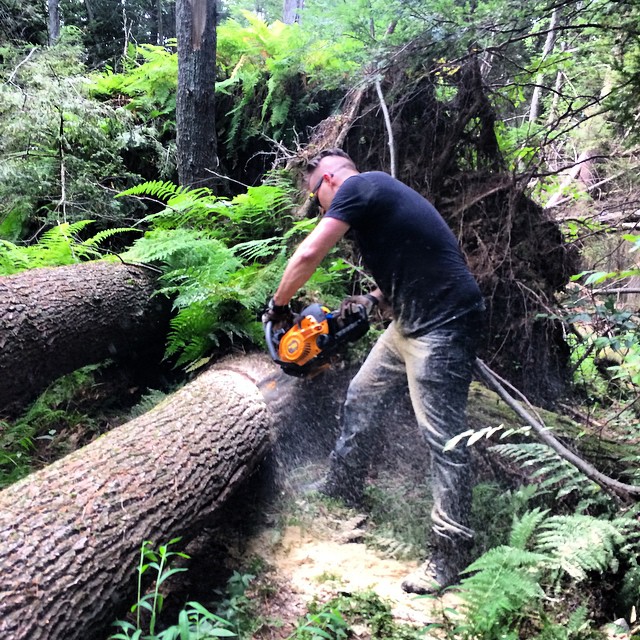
(195, 105)
(291, 11)
(54, 20)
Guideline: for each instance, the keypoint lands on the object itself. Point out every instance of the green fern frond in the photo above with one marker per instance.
(579, 544)
(105, 234)
(524, 527)
(58, 246)
(555, 473)
(629, 526)
(253, 250)
(504, 584)
(163, 190)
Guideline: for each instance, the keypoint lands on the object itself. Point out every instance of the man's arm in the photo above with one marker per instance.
(308, 256)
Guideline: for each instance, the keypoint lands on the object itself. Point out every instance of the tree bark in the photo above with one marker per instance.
(195, 106)
(72, 532)
(550, 42)
(54, 21)
(159, 23)
(291, 11)
(53, 321)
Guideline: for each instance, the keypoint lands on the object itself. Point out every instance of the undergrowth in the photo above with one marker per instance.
(219, 260)
(55, 413)
(236, 613)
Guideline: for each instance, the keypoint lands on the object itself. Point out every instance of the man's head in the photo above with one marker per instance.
(326, 172)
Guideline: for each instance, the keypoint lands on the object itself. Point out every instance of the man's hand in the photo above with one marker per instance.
(277, 314)
(349, 306)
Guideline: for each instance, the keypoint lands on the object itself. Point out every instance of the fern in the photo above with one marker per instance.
(220, 259)
(579, 544)
(58, 246)
(504, 587)
(553, 473)
(524, 528)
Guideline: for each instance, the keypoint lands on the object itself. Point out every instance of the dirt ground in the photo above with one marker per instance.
(329, 557)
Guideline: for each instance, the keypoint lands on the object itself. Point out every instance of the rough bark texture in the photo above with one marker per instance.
(72, 532)
(195, 107)
(53, 321)
(54, 21)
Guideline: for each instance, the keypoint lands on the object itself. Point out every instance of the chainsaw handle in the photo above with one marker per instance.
(268, 335)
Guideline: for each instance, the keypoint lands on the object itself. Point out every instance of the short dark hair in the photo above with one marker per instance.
(312, 165)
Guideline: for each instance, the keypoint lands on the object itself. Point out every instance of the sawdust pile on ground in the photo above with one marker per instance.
(327, 559)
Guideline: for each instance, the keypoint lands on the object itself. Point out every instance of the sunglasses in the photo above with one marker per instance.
(313, 196)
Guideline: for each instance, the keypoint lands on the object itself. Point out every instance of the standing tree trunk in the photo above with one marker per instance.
(550, 42)
(71, 533)
(54, 21)
(53, 321)
(195, 108)
(159, 23)
(291, 11)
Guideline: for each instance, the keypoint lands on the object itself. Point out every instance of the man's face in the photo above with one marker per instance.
(320, 186)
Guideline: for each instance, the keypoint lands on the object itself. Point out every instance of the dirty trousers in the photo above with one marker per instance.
(437, 368)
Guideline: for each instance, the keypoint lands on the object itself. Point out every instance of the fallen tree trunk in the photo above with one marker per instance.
(71, 532)
(53, 321)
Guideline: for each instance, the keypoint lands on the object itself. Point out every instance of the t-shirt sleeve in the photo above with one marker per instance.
(352, 201)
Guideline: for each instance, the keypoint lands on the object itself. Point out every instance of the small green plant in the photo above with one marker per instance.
(236, 607)
(53, 412)
(195, 622)
(334, 619)
(324, 625)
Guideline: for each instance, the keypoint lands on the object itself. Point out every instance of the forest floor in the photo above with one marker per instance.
(306, 550)
(312, 560)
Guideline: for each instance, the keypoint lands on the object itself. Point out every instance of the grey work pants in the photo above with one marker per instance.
(437, 368)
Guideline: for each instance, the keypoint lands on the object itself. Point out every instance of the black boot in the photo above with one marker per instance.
(442, 570)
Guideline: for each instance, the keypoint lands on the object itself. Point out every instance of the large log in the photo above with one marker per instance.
(71, 532)
(53, 321)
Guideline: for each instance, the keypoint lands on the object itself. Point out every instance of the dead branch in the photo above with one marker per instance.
(613, 487)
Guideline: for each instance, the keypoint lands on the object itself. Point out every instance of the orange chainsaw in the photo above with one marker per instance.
(316, 334)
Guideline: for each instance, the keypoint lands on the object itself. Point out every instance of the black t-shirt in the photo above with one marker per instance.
(410, 251)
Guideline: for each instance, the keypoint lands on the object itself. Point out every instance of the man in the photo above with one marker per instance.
(429, 346)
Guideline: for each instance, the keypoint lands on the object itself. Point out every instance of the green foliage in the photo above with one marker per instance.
(501, 593)
(237, 607)
(149, 79)
(507, 588)
(334, 619)
(579, 544)
(53, 412)
(60, 245)
(60, 150)
(220, 260)
(551, 473)
(195, 622)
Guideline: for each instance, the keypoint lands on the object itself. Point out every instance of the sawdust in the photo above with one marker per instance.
(321, 562)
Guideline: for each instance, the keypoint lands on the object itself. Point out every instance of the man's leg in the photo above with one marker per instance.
(439, 369)
(381, 377)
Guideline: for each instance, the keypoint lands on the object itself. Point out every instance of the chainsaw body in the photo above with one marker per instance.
(316, 334)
